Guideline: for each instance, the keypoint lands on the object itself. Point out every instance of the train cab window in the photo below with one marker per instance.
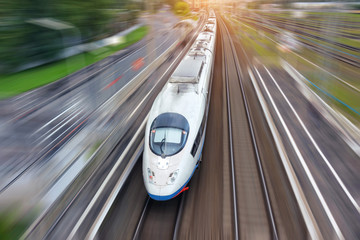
(168, 134)
(167, 141)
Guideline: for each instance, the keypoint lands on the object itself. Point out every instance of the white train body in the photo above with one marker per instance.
(175, 130)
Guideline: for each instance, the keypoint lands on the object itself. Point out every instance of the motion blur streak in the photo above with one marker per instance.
(300, 156)
(78, 78)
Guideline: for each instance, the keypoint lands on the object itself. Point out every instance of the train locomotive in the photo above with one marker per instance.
(175, 130)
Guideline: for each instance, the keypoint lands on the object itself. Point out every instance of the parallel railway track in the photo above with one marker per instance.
(155, 215)
(227, 62)
(306, 39)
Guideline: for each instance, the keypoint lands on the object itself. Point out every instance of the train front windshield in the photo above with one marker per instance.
(167, 141)
(168, 134)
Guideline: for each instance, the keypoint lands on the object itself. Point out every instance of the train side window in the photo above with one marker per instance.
(198, 137)
(201, 68)
(196, 143)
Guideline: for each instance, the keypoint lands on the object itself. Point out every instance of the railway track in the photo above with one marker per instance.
(155, 215)
(232, 72)
(232, 197)
(306, 39)
(201, 213)
(316, 26)
(345, 83)
(317, 229)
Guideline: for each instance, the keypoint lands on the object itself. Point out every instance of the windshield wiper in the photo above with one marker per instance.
(161, 147)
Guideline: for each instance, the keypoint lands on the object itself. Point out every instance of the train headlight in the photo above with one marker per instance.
(172, 177)
(151, 176)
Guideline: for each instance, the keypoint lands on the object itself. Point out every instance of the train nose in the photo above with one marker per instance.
(161, 194)
(156, 197)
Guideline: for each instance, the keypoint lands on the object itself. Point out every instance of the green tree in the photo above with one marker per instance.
(22, 43)
(182, 8)
(91, 17)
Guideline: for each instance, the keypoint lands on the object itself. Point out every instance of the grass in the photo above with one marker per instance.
(195, 17)
(189, 16)
(331, 86)
(13, 84)
(93, 149)
(10, 226)
(321, 14)
(332, 33)
(329, 21)
(265, 49)
(257, 42)
(346, 71)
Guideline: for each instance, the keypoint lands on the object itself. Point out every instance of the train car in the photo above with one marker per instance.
(175, 130)
(185, 29)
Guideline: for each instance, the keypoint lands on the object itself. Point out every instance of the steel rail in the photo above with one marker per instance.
(142, 220)
(253, 139)
(312, 63)
(308, 217)
(145, 211)
(178, 217)
(226, 77)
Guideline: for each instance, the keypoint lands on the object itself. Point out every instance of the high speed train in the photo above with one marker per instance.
(175, 130)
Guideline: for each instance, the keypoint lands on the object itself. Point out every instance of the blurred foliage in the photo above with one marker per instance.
(10, 226)
(355, 6)
(23, 43)
(133, 9)
(20, 41)
(182, 8)
(90, 17)
(253, 5)
(13, 84)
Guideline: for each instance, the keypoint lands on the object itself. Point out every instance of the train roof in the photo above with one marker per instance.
(188, 71)
(204, 36)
